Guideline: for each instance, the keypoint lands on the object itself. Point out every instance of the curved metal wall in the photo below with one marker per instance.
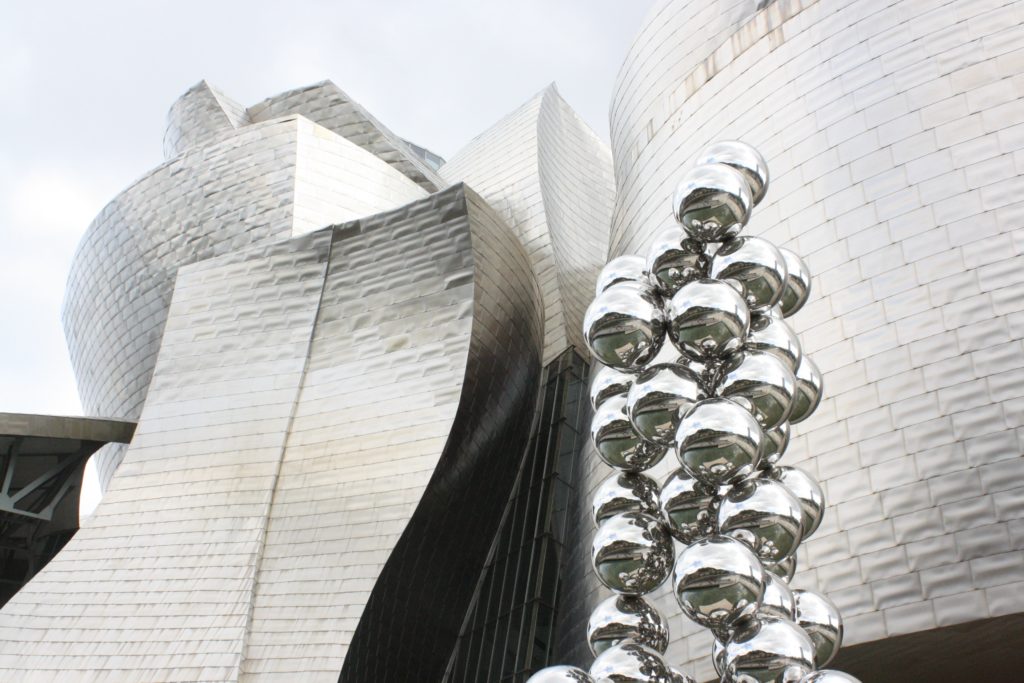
(241, 187)
(324, 412)
(892, 130)
(549, 176)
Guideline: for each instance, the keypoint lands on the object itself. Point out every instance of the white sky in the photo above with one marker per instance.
(85, 87)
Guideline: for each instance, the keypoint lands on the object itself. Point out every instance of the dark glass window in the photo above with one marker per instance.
(509, 631)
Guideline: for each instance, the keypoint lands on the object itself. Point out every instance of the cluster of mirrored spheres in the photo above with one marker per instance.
(697, 359)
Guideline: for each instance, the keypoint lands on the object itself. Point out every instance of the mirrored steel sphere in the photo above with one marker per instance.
(617, 442)
(708, 319)
(755, 266)
(622, 269)
(630, 662)
(625, 326)
(820, 618)
(675, 259)
(688, 507)
(768, 650)
(745, 159)
(712, 202)
(719, 442)
(829, 676)
(807, 491)
(718, 656)
(785, 570)
(632, 553)
(609, 382)
(626, 492)
(718, 581)
(775, 444)
(810, 384)
(658, 399)
(679, 677)
(769, 333)
(560, 674)
(761, 383)
(798, 283)
(763, 514)
(778, 599)
(624, 617)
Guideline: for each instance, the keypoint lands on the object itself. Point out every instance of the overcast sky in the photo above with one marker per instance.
(85, 87)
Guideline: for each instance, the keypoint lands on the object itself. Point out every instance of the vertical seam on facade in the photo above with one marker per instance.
(257, 565)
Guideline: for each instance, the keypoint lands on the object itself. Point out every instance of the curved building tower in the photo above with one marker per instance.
(893, 130)
(352, 377)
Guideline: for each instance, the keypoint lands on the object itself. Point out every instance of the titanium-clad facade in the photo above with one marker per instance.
(894, 135)
(332, 421)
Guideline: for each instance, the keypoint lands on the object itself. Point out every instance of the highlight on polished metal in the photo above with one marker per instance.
(708, 319)
(625, 325)
(632, 553)
(675, 259)
(820, 618)
(718, 581)
(754, 267)
(760, 382)
(625, 617)
(764, 515)
(699, 359)
(688, 506)
(769, 649)
(659, 397)
(622, 269)
(626, 492)
(560, 674)
(713, 202)
(744, 158)
(630, 662)
(719, 442)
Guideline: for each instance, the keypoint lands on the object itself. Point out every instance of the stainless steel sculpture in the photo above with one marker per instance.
(725, 407)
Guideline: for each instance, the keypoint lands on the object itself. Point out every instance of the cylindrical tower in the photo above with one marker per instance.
(893, 133)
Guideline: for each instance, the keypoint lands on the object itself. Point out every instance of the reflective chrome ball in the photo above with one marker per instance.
(785, 570)
(712, 202)
(675, 259)
(768, 650)
(626, 492)
(609, 382)
(718, 581)
(624, 617)
(719, 442)
(632, 553)
(829, 676)
(625, 326)
(775, 444)
(658, 399)
(778, 599)
(745, 159)
(688, 506)
(622, 269)
(807, 491)
(617, 442)
(755, 267)
(798, 283)
(707, 320)
(820, 618)
(763, 514)
(810, 384)
(759, 382)
(718, 656)
(770, 334)
(560, 674)
(679, 677)
(630, 662)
